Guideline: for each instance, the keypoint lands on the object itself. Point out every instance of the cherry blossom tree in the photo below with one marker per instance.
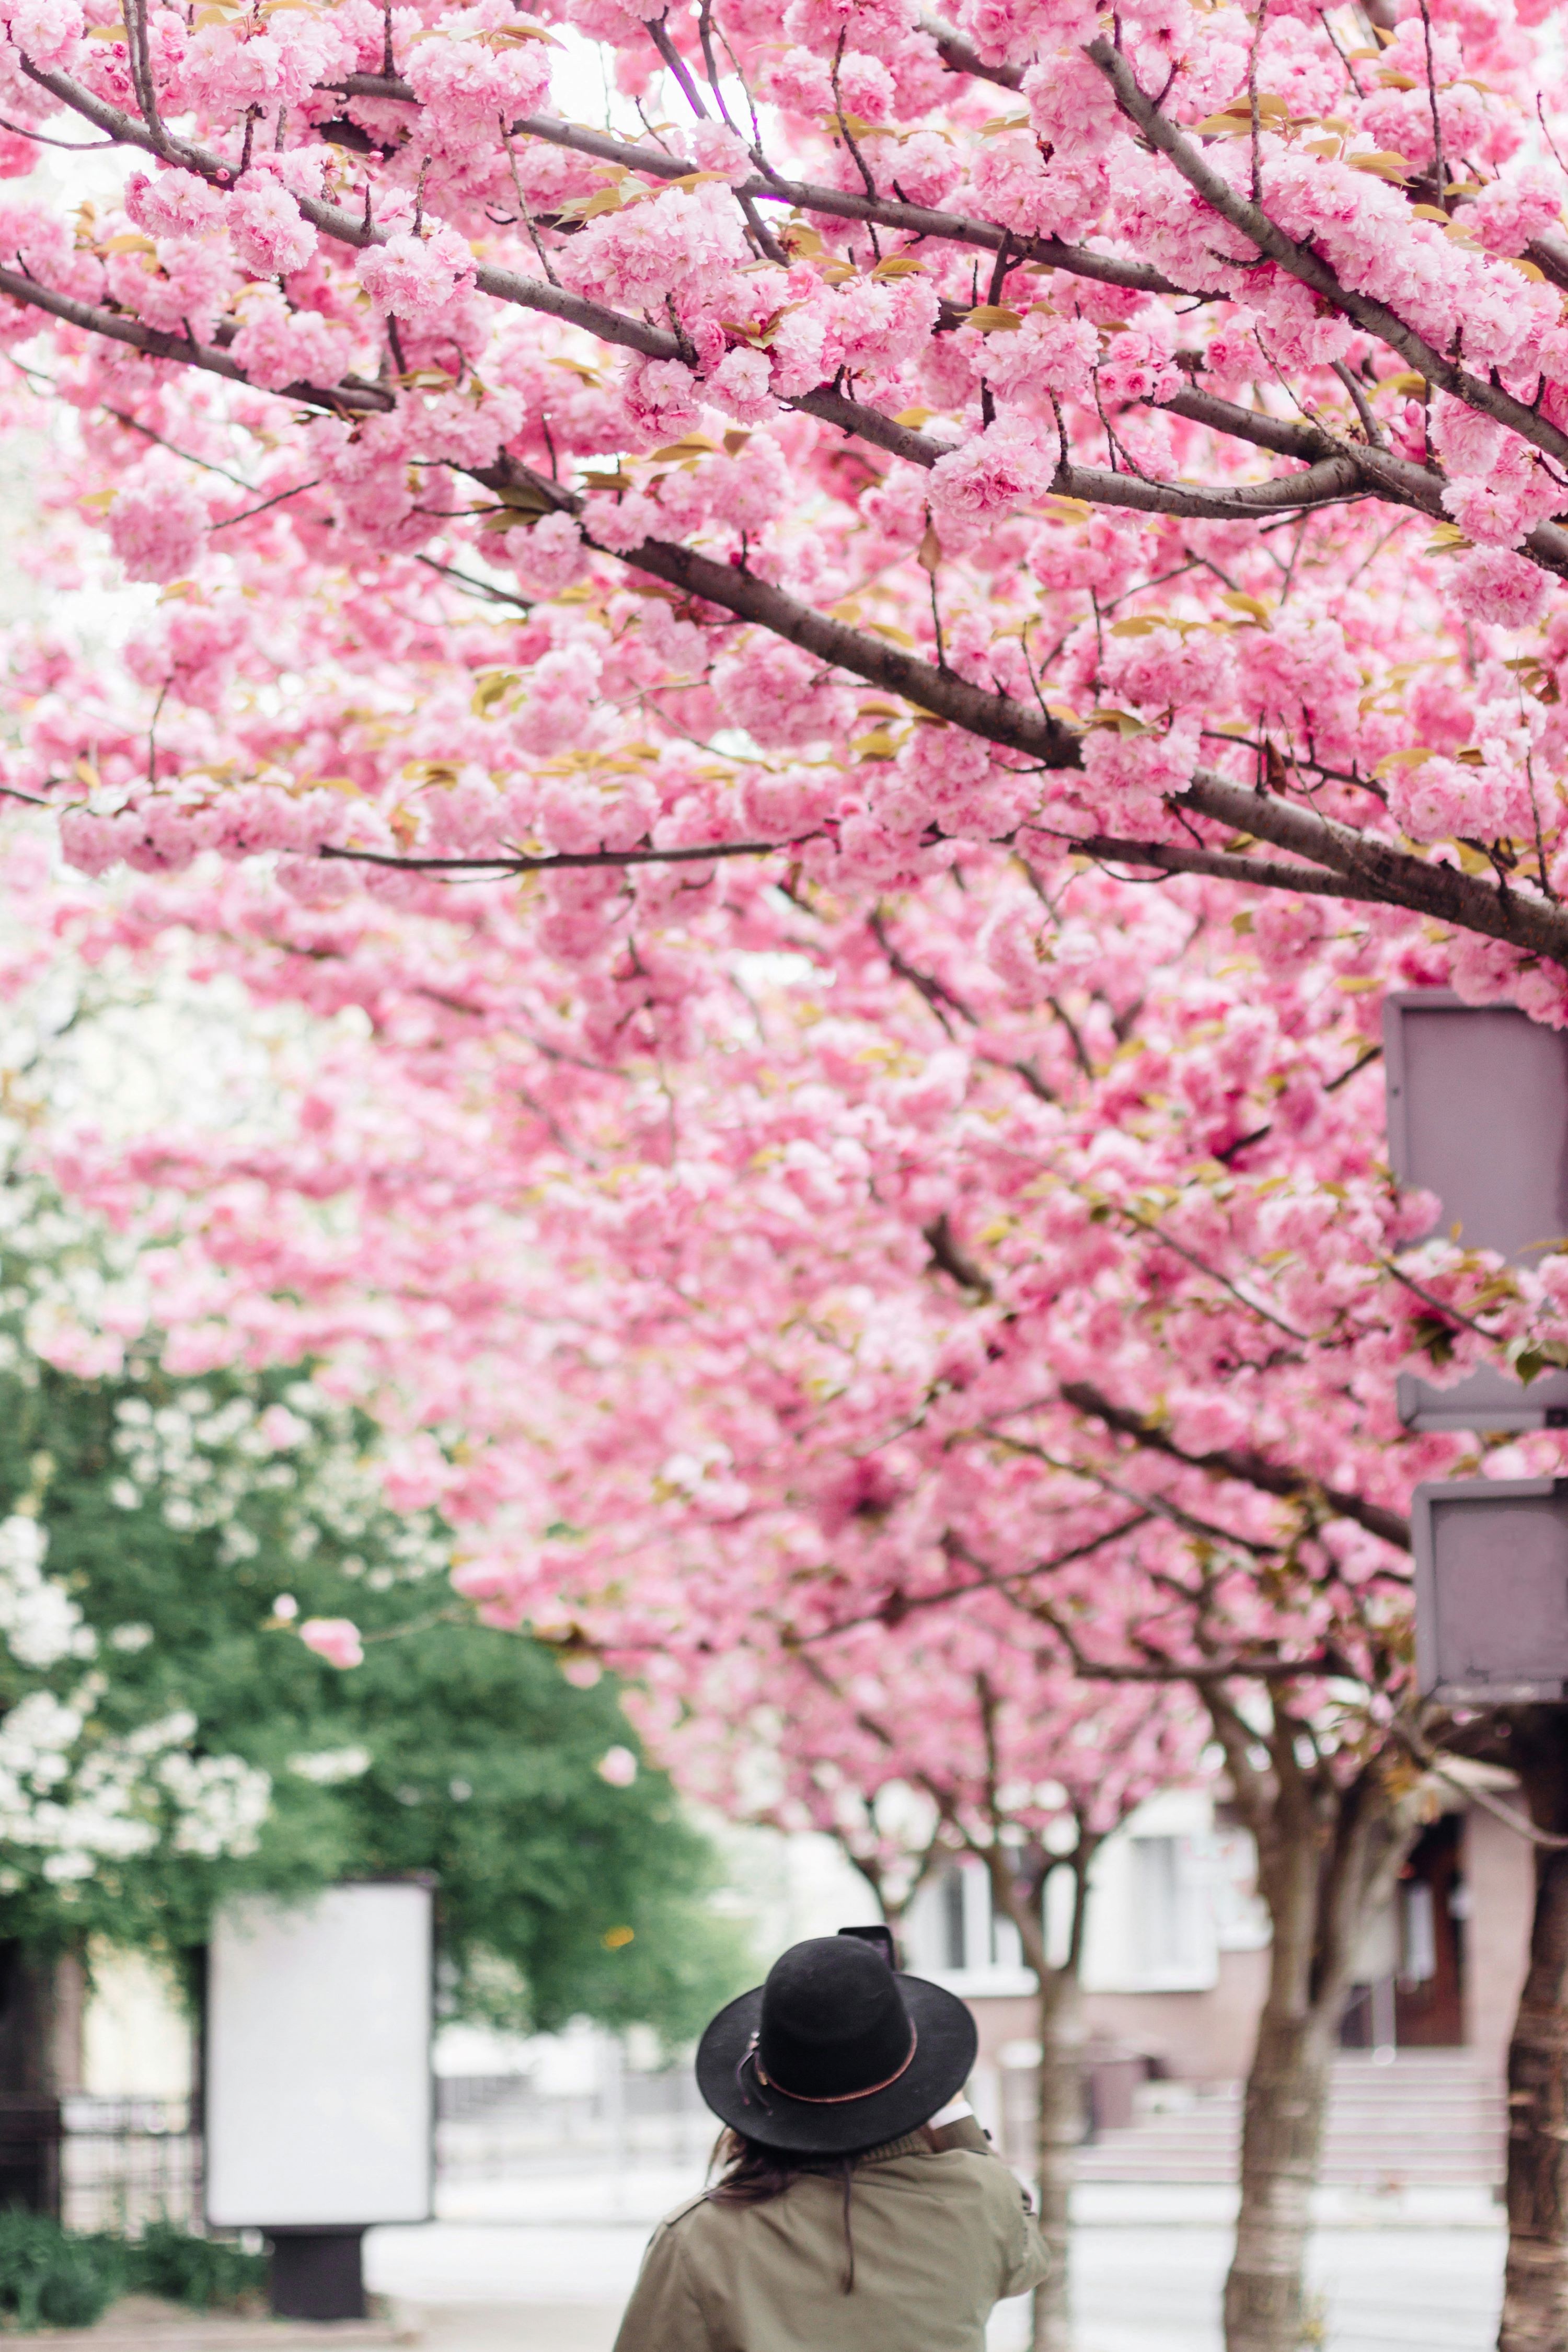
(1058, 477)
(991, 1253)
(794, 537)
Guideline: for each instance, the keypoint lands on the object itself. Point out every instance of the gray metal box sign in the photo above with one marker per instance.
(1478, 1113)
(1491, 1590)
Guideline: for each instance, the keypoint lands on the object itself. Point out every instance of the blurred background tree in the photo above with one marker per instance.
(167, 1740)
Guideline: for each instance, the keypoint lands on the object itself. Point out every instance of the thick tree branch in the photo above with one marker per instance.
(1518, 914)
(948, 1258)
(510, 861)
(1327, 483)
(1251, 1469)
(995, 718)
(1374, 317)
(1170, 857)
(356, 399)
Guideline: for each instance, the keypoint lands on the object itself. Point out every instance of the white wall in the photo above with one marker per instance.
(1169, 1892)
(138, 2040)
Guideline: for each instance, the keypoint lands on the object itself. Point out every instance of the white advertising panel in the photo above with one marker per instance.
(318, 2085)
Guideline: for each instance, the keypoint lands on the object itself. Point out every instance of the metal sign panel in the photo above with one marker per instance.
(1478, 1113)
(1491, 1590)
(317, 2084)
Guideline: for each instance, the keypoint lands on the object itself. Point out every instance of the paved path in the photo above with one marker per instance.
(1143, 2283)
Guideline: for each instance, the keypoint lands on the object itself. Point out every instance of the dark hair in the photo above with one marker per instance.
(751, 2174)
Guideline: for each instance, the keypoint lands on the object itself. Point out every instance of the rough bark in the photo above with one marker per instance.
(1058, 2128)
(1535, 2287)
(37, 2013)
(1329, 1849)
(1287, 2096)
(31, 2001)
(1018, 1879)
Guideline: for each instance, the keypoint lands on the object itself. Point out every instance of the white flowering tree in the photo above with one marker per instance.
(75, 1796)
(166, 1738)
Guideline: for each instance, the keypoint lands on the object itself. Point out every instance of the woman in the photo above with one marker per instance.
(860, 2208)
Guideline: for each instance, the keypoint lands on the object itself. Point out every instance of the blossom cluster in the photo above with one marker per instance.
(917, 412)
(787, 561)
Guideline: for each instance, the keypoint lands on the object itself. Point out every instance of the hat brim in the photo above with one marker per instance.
(945, 2046)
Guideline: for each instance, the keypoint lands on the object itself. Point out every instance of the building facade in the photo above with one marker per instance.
(1176, 1946)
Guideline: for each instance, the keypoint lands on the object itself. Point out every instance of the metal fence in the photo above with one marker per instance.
(126, 2162)
(499, 2128)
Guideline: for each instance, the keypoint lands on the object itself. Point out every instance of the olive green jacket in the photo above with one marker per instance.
(940, 2236)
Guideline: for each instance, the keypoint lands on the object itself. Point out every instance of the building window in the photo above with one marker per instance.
(952, 1930)
(1169, 1912)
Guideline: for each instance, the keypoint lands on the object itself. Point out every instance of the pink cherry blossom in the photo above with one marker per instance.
(157, 525)
(1490, 584)
(336, 1639)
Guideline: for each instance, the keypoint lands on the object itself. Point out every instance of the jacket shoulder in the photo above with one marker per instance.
(678, 2213)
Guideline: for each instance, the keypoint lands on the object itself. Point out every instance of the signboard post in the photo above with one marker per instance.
(1491, 1590)
(1478, 1113)
(317, 2084)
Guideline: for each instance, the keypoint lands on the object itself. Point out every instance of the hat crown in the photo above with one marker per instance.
(833, 2022)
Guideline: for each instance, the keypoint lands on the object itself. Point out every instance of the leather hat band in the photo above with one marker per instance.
(840, 2098)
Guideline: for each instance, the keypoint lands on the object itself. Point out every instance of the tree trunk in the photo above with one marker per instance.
(35, 2011)
(30, 2020)
(1282, 2130)
(1058, 2128)
(1328, 1853)
(1535, 2285)
(1535, 2288)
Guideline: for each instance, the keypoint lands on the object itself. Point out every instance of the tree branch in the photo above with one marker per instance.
(1204, 1673)
(1170, 857)
(507, 862)
(808, 195)
(1159, 1505)
(1375, 317)
(1520, 917)
(899, 1606)
(1518, 1823)
(960, 56)
(354, 399)
(1250, 1469)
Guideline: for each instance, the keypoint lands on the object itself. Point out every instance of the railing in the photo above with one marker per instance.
(499, 2128)
(126, 2162)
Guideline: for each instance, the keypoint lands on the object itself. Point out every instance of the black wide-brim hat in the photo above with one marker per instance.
(835, 2053)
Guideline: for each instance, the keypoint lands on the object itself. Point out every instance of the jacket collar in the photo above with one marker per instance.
(914, 2143)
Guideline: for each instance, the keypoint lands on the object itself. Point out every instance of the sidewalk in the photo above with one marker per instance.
(544, 2265)
(1141, 2285)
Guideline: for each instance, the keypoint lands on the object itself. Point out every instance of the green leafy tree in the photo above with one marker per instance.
(166, 1739)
